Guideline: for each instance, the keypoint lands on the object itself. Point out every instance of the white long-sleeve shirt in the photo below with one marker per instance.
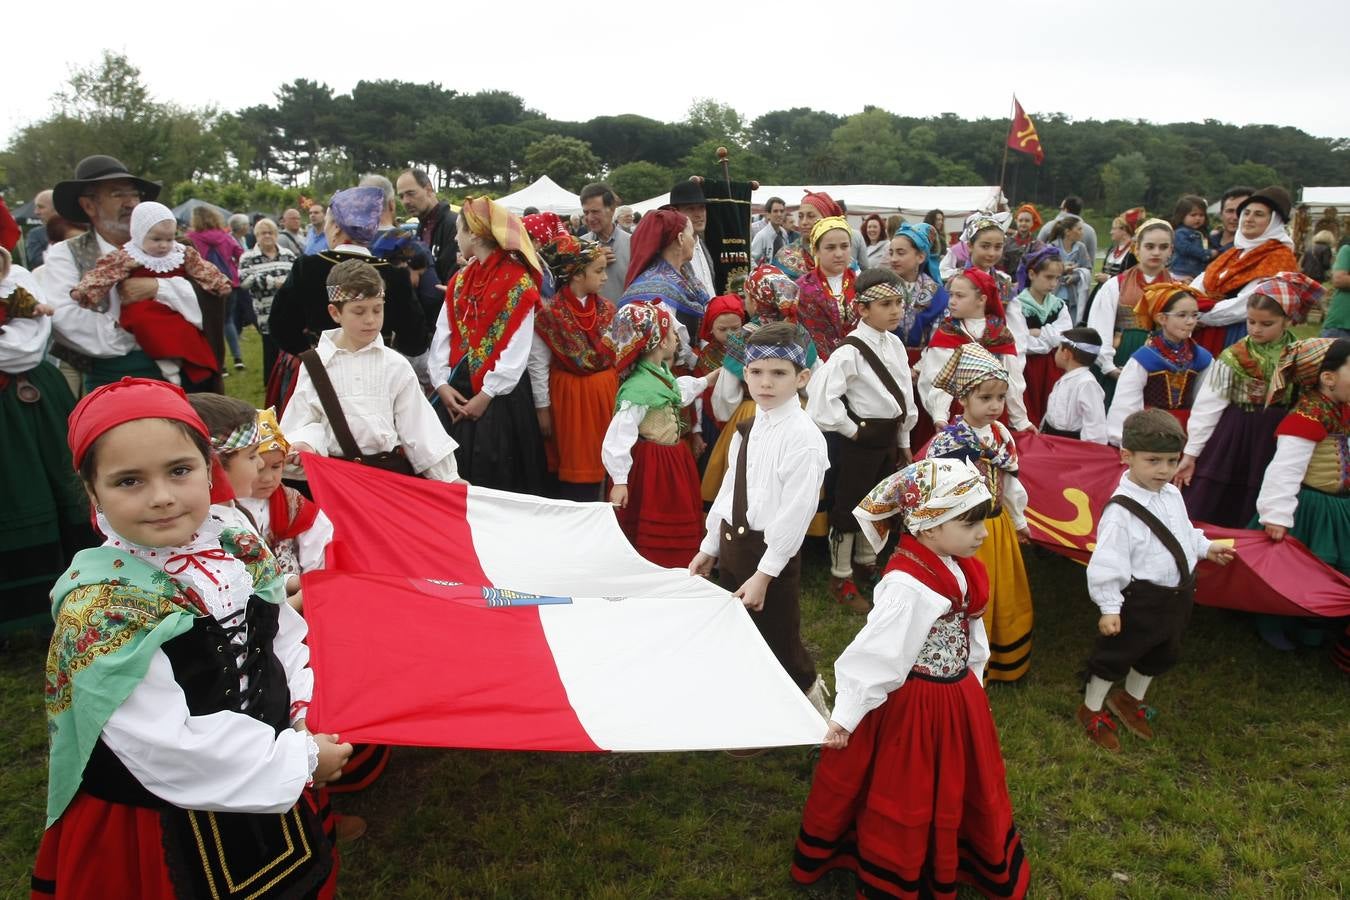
(846, 375)
(23, 342)
(1210, 402)
(224, 761)
(1278, 500)
(1230, 311)
(882, 655)
(939, 403)
(785, 468)
(1129, 398)
(616, 450)
(1078, 403)
(383, 403)
(89, 331)
(1127, 550)
(309, 544)
(505, 373)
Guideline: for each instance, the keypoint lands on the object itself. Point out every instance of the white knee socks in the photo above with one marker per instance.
(1136, 684)
(1095, 695)
(841, 553)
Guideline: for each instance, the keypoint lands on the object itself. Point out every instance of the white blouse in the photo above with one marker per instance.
(784, 471)
(224, 761)
(880, 658)
(616, 450)
(847, 376)
(94, 333)
(939, 403)
(505, 373)
(23, 342)
(1278, 500)
(383, 403)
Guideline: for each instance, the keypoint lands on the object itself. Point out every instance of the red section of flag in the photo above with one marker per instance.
(400, 659)
(1022, 136)
(1068, 483)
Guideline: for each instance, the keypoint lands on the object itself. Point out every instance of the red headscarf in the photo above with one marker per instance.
(823, 203)
(106, 407)
(1035, 216)
(993, 304)
(720, 306)
(657, 230)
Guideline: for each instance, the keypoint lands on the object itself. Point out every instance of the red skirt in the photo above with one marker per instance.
(1040, 373)
(281, 382)
(115, 851)
(917, 802)
(664, 516)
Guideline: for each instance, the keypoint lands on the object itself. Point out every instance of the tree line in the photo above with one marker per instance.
(312, 140)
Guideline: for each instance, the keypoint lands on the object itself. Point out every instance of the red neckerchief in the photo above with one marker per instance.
(997, 339)
(574, 335)
(282, 523)
(922, 564)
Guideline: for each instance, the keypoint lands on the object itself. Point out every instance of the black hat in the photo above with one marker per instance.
(1276, 197)
(686, 193)
(93, 169)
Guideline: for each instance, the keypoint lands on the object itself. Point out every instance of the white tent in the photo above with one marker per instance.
(909, 200)
(545, 195)
(1319, 198)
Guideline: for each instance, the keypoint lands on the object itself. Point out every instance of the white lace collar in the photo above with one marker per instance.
(166, 263)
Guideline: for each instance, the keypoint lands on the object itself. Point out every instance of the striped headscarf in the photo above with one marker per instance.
(488, 219)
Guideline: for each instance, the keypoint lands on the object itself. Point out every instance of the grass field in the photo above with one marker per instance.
(1243, 794)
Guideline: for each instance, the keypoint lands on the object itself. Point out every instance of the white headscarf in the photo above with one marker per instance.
(1275, 231)
(145, 216)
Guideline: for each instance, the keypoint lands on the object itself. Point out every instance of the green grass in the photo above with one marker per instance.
(1243, 794)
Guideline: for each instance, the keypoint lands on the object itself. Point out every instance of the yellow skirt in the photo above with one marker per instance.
(1008, 617)
(717, 460)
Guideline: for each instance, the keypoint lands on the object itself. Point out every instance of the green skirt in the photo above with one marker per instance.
(44, 512)
(1322, 523)
(136, 364)
(1131, 339)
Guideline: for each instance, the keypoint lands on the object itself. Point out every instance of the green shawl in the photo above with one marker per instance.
(112, 612)
(649, 386)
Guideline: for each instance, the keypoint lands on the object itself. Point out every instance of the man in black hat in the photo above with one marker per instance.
(101, 195)
(687, 197)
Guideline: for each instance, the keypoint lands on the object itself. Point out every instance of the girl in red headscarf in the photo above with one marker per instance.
(576, 400)
(481, 352)
(974, 315)
(725, 315)
(177, 680)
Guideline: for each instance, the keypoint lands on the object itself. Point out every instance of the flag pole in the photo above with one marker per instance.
(1003, 170)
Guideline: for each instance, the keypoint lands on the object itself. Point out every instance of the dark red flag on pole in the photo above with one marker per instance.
(1022, 136)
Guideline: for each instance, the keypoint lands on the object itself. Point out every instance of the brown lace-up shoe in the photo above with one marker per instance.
(1133, 714)
(1100, 728)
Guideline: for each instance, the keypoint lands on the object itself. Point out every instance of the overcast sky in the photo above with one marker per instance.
(1237, 61)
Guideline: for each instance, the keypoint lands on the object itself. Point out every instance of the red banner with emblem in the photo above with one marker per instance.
(1022, 136)
(1068, 483)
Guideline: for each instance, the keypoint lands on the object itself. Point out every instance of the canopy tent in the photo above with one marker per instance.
(909, 200)
(183, 211)
(544, 195)
(1319, 198)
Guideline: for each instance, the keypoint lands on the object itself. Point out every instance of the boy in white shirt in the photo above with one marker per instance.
(1142, 577)
(385, 417)
(777, 463)
(864, 394)
(1076, 407)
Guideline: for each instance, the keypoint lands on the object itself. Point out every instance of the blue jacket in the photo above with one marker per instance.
(1190, 255)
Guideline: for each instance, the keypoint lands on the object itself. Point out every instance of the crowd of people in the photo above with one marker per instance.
(866, 385)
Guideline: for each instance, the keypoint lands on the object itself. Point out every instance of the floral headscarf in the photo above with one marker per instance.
(772, 294)
(925, 495)
(357, 212)
(269, 432)
(638, 328)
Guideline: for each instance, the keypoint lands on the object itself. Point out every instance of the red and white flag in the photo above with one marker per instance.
(455, 616)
